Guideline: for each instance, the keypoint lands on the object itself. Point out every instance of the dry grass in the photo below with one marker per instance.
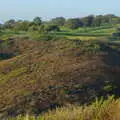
(99, 110)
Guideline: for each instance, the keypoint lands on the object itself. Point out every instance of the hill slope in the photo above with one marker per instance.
(35, 76)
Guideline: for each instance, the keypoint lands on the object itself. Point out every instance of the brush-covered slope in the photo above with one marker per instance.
(38, 75)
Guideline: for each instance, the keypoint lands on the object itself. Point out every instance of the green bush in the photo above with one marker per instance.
(116, 35)
(51, 28)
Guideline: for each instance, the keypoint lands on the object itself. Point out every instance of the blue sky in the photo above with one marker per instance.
(47, 9)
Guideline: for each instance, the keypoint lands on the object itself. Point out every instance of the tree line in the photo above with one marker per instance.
(37, 24)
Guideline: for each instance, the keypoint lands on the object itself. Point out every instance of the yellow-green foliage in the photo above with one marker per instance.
(82, 37)
(99, 110)
(14, 73)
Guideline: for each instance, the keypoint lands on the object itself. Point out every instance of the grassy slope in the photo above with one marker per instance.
(87, 33)
(46, 74)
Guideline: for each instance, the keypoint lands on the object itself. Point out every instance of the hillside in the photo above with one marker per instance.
(39, 75)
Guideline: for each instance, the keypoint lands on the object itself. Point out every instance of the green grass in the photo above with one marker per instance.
(6, 34)
(81, 34)
(87, 33)
(92, 33)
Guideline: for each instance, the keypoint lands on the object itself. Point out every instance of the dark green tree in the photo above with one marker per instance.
(22, 25)
(98, 20)
(9, 23)
(37, 21)
(60, 21)
(51, 27)
(74, 23)
(116, 34)
(88, 21)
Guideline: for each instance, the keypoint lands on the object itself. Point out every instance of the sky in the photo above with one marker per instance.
(47, 9)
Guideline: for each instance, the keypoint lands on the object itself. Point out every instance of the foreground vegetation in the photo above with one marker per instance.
(100, 110)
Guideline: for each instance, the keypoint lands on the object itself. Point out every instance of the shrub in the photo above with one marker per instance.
(51, 27)
(116, 35)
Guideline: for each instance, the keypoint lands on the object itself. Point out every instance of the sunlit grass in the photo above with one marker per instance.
(81, 37)
(99, 110)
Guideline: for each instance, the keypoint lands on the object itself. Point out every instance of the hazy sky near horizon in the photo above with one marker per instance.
(47, 9)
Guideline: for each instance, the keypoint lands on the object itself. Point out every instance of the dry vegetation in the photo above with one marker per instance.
(99, 110)
(37, 76)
